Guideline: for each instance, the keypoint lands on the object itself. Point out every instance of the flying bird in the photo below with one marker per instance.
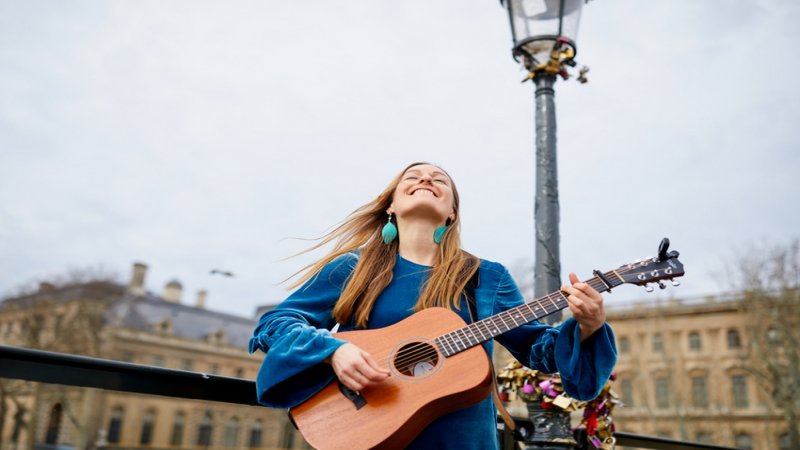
(224, 273)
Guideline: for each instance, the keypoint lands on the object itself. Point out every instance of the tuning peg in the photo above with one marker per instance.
(675, 282)
(649, 288)
(661, 285)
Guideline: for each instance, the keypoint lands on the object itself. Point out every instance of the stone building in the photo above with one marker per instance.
(128, 323)
(683, 373)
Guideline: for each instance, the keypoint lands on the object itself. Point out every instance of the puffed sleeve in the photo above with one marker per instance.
(296, 339)
(584, 366)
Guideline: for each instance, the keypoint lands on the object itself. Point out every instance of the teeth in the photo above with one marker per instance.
(423, 191)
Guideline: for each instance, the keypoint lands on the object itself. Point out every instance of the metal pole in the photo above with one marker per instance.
(547, 264)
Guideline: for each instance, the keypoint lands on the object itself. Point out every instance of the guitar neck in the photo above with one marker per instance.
(485, 329)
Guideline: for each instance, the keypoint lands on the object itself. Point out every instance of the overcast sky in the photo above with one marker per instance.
(194, 135)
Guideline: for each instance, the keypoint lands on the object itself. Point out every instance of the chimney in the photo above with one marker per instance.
(136, 287)
(201, 299)
(172, 291)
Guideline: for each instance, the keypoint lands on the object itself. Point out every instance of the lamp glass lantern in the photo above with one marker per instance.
(537, 26)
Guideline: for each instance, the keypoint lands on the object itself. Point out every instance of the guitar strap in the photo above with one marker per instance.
(472, 306)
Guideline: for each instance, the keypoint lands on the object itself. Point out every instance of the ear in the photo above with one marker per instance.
(390, 209)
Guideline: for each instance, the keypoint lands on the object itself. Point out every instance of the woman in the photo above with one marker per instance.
(400, 254)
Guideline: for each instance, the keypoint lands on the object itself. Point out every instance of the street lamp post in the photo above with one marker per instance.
(544, 34)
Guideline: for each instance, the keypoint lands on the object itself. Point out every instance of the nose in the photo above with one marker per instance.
(425, 178)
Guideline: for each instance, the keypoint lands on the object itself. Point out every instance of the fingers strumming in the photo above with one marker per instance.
(374, 365)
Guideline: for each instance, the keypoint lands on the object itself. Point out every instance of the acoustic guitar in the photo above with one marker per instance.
(437, 366)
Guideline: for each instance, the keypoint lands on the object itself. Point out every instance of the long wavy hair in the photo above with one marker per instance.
(361, 230)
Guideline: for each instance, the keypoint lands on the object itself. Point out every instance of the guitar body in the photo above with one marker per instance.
(423, 386)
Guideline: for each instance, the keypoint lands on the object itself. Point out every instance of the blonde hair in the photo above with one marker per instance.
(373, 272)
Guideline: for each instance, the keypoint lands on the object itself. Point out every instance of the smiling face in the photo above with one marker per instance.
(424, 191)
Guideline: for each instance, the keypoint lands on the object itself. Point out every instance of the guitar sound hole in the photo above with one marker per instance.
(416, 359)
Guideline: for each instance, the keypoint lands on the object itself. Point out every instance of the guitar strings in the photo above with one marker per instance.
(421, 351)
(425, 351)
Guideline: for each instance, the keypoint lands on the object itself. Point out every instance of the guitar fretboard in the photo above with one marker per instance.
(483, 330)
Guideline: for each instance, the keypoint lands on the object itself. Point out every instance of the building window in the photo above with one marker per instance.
(662, 392)
(54, 425)
(703, 437)
(744, 441)
(664, 434)
(213, 369)
(126, 356)
(783, 442)
(158, 360)
(773, 338)
(19, 423)
(255, 434)
(624, 344)
(148, 422)
(658, 343)
(187, 364)
(695, 344)
(627, 391)
(288, 436)
(739, 385)
(231, 437)
(734, 339)
(177, 428)
(205, 429)
(115, 425)
(700, 391)
(239, 373)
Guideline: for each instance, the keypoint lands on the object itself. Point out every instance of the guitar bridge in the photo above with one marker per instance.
(358, 400)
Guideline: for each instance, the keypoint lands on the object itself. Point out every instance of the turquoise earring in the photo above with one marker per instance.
(389, 231)
(439, 234)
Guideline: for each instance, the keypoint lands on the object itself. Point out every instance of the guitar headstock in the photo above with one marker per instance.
(665, 266)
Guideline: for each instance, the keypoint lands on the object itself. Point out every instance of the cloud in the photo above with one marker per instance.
(198, 135)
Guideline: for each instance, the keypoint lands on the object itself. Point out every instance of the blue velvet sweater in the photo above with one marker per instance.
(296, 341)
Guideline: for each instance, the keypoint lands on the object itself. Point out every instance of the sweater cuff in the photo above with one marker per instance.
(585, 367)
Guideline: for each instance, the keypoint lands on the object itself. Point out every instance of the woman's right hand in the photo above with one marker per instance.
(356, 368)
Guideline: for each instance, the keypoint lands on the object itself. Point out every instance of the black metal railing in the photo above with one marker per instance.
(73, 370)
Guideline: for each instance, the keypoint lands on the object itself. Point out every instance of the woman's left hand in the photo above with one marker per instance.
(586, 305)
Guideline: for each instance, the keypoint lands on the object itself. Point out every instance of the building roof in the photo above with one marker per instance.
(147, 312)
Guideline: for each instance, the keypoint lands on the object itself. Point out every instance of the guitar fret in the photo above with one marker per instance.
(481, 331)
(621, 280)
(553, 302)
(563, 298)
(464, 334)
(496, 330)
(446, 340)
(520, 312)
(468, 336)
(504, 318)
(531, 310)
(478, 327)
(463, 339)
(457, 340)
(474, 339)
